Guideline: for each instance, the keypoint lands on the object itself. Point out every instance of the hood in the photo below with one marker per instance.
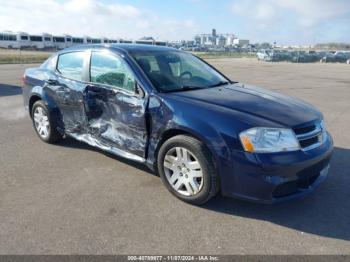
(272, 106)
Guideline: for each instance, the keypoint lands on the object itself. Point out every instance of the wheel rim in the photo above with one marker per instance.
(41, 121)
(183, 171)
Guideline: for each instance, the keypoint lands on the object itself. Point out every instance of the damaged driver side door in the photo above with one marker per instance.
(115, 106)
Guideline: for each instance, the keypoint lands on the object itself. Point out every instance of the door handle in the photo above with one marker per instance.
(51, 81)
(62, 91)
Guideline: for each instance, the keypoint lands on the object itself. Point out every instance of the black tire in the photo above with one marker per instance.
(53, 135)
(211, 182)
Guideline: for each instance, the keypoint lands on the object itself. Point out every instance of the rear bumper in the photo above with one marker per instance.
(276, 177)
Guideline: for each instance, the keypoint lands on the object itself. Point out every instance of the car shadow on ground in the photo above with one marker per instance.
(326, 212)
(9, 90)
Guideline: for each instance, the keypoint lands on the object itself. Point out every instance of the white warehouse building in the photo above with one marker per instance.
(240, 42)
(219, 40)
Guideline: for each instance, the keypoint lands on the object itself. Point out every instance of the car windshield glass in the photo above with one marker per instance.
(171, 71)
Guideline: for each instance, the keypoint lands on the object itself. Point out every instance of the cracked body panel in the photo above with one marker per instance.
(101, 115)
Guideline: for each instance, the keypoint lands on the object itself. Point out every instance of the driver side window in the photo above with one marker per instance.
(111, 70)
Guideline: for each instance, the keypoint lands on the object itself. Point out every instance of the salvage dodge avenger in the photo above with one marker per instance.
(200, 131)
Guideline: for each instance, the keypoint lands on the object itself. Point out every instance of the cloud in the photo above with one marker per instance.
(89, 17)
(311, 12)
(293, 20)
(314, 11)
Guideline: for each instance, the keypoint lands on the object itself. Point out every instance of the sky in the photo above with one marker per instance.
(281, 21)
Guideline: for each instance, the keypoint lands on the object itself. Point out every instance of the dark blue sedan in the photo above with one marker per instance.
(200, 131)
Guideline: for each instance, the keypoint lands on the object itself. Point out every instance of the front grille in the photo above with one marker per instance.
(302, 130)
(293, 187)
(309, 136)
(305, 183)
(285, 189)
(309, 142)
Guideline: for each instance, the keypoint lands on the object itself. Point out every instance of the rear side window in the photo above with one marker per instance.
(50, 63)
(71, 65)
(111, 70)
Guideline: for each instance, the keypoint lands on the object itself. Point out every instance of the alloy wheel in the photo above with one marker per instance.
(183, 171)
(41, 121)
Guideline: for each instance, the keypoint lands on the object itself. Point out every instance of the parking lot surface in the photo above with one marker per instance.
(72, 199)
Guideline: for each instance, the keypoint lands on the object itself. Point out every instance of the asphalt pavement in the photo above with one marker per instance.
(70, 198)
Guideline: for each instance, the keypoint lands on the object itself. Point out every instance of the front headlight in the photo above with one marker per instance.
(268, 140)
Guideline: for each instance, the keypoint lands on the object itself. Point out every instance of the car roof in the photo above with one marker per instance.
(119, 47)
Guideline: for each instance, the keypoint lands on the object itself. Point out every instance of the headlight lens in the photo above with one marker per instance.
(267, 140)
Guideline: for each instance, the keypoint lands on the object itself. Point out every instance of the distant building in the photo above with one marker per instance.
(146, 40)
(214, 39)
(221, 40)
(240, 42)
(229, 40)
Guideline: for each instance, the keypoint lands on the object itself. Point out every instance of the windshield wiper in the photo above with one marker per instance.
(184, 88)
(221, 83)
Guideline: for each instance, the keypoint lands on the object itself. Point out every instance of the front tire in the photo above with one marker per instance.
(187, 170)
(44, 126)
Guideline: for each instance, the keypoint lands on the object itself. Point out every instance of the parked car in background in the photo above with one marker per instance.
(263, 54)
(305, 57)
(337, 57)
(199, 130)
(275, 55)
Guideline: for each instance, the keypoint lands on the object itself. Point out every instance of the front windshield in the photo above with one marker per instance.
(175, 70)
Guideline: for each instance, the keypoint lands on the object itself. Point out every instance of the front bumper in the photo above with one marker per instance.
(275, 177)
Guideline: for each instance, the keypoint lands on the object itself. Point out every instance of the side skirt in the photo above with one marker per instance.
(92, 141)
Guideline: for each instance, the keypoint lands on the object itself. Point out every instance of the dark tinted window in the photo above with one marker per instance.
(161, 43)
(24, 37)
(58, 39)
(78, 40)
(7, 37)
(69, 40)
(36, 38)
(47, 38)
(71, 65)
(111, 70)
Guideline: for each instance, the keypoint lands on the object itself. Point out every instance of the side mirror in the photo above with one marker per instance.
(138, 91)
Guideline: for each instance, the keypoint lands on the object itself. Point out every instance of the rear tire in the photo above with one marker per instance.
(43, 124)
(187, 170)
